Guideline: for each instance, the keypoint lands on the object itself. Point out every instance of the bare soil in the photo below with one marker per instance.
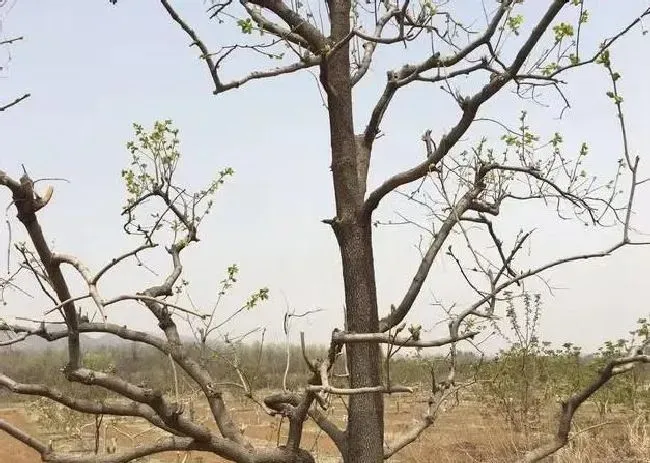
(467, 433)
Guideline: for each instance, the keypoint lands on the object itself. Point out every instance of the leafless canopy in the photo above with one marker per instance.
(512, 47)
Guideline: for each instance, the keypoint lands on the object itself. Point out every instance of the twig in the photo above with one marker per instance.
(15, 102)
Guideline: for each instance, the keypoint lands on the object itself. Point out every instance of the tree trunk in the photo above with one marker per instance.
(366, 411)
(353, 232)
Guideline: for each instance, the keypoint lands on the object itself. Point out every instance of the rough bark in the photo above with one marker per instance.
(353, 232)
(366, 411)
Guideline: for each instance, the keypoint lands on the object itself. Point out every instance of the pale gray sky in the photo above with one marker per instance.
(94, 69)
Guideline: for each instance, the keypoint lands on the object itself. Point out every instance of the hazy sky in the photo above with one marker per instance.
(94, 69)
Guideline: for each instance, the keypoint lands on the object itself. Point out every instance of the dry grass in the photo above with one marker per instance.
(467, 432)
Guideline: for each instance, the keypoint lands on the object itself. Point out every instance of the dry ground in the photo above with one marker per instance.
(10, 449)
(467, 433)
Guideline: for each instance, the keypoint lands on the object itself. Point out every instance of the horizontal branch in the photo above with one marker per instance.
(58, 306)
(145, 298)
(386, 338)
(536, 174)
(166, 444)
(110, 328)
(170, 413)
(10, 41)
(104, 407)
(306, 63)
(360, 390)
(119, 259)
(136, 393)
(16, 340)
(162, 445)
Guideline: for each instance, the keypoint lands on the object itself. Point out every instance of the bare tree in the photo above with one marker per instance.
(463, 190)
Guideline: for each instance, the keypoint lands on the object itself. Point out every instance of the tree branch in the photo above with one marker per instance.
(205, 54)
(571, 405)
(371, 44)
(163, 445)
(470, 108)
(23, 437)
(118, 259)
(306, 62)
(170, 414)
(10, 41)
(275, 29)
(536, 271)
(105, 407)
(316, 40)
(15, 102)
(279, 400)
(409, 72)
(399, 313)
(27, 203)
(110, 328)
(360, 390)
(386, 338)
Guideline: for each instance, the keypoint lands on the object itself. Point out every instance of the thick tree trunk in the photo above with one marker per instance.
(366, 411)
(353, 232)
